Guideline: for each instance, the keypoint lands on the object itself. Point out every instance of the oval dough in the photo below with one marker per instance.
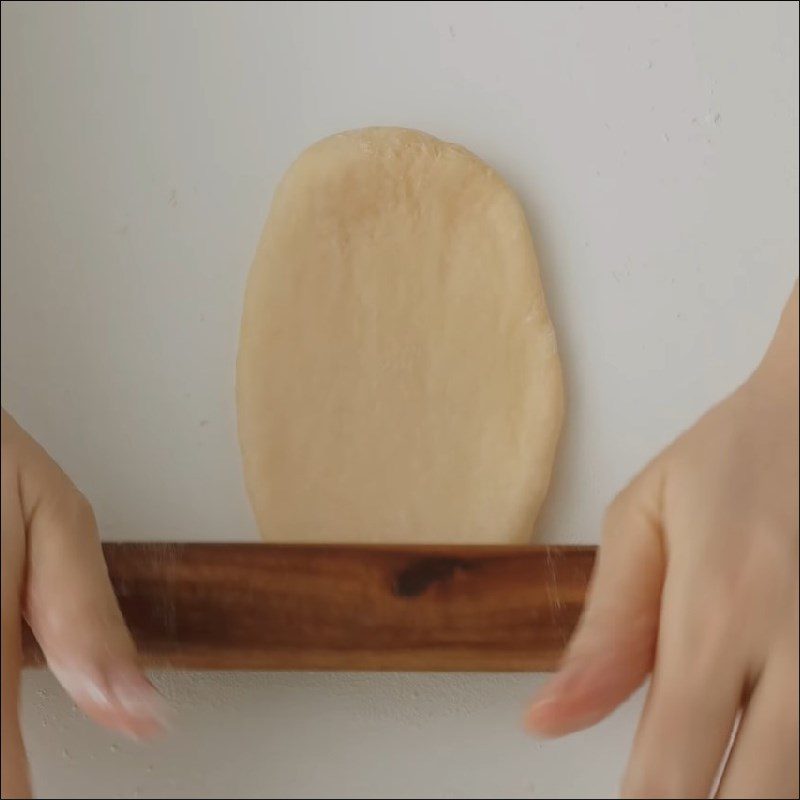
(397, 377)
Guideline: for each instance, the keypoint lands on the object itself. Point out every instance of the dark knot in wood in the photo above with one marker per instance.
(420, 574)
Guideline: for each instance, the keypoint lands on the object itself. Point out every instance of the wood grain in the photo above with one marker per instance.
(285, 607)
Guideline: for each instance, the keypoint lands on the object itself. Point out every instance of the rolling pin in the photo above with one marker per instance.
(221, 606)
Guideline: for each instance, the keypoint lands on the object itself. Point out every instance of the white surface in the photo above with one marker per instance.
(655, 150)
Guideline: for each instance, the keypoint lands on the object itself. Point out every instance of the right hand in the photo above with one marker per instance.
(697, 582)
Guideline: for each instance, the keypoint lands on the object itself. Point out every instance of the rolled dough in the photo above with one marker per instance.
(397, 376)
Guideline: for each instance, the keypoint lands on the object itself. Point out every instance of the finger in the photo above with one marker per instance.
(763, 762)
(14, 764)
(71, 606)
(75, 617)
(692, 703)
(14, 778)
(612, 649)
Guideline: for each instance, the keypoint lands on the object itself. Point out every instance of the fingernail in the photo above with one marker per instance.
(555, 686)
(81, 684)
(123, 696)
(96, 693)
(550, 694)
(137, 696)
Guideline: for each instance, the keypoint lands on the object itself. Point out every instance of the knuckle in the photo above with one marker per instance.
(81, 512)
(725, 589)
(619, 512)
(719, 624)
(752, 581)
(639, 501)
(616, 511)
(716, 619)
(775, 545)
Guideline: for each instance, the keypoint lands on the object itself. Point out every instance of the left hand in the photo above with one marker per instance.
(54, 574)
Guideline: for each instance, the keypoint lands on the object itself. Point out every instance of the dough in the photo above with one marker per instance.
(397, 377)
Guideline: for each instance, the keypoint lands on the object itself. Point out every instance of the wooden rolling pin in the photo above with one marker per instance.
(285, 607)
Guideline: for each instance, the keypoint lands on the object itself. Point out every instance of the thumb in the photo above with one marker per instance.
(613, 647)
(71, 607)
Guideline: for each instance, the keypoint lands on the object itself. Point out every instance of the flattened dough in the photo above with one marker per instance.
(397, 377)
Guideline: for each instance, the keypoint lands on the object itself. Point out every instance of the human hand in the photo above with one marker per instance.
(697, 581)
(54, 574)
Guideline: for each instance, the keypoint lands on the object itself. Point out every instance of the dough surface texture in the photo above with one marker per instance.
(397, 377)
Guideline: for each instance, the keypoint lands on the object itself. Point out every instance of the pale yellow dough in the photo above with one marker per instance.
(397, 378)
